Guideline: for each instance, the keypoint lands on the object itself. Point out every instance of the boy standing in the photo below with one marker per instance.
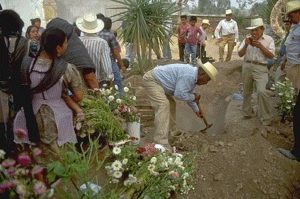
(181, 31)
(192, 34)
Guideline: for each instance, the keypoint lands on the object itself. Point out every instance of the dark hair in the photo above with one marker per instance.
(50, 39)
(100, 16)
(125, 62)
(35, 20)
(193, 18)
(107, 23)
(27, 35)
(10, 23)
(183, 16)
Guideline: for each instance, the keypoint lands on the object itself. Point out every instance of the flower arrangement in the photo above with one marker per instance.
(124, 106)
(98, 118)
(147, 172)
(23, 177)
(286, 94)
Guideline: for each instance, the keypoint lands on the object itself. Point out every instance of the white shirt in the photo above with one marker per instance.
(99, 52)
(226, 28)
(255, 54)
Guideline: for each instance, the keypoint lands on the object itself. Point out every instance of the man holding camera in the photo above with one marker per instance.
(257, 48)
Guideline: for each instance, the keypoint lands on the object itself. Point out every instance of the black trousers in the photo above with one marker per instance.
(296, 127)
(181, 51)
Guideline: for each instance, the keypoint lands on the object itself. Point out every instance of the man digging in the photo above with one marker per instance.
(178, 80)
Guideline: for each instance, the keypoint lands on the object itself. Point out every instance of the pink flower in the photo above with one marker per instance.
(24, 160)
(174, 174)
(11, 171)
(36, 152)
(39, 188)
(4, 186)
(8, 163)
(37, 171)
(21, 134)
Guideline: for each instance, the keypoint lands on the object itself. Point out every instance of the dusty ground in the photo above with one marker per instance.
(237, 158)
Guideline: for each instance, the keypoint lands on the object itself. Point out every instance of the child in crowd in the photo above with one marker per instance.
(192, 35)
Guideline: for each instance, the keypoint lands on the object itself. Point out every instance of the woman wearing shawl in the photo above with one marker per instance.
(47, 75)
(76, 52)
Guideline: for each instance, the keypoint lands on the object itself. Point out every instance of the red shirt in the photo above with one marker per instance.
(192, 35)
(181, 30)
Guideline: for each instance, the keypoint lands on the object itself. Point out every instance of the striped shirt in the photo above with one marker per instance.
(99, 52)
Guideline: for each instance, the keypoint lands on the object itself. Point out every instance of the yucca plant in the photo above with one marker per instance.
(147, 20)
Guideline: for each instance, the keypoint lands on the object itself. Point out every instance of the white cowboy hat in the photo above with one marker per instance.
(292, 6)
(89, 23)
(228, 12)
(209, 69)
(255, 23)
(205, 21)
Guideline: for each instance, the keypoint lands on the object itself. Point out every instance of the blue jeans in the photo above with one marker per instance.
(117, 77)
(190, 50)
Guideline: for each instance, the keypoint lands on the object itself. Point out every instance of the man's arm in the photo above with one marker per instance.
(236, 30)
(90, 79)
(106, 61)
(243, 47)
(267, 52)
(117, 56)
(217, 30)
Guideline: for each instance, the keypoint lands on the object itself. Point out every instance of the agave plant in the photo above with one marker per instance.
(146, 25)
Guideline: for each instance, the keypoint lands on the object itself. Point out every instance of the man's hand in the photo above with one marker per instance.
(257, 44)
(199, 114)
(248, 41)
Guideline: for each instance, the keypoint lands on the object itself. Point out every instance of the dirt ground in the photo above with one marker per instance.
(238, 158)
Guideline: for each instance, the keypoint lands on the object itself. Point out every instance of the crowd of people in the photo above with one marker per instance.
(43, 76)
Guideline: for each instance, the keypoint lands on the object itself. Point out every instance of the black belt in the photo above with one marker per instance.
(257, 63)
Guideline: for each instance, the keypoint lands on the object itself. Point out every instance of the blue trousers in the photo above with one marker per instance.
(190, 51)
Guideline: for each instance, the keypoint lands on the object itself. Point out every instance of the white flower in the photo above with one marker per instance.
(288, 107)
(172, 187)
(116, 165)
(104, 85)
(2, 154)
(126, 89)
(111, 98)
(117, 174)
(289, 101)
(133, 98)
(78, 126)
(116, 87)
(294, 104)
(153, 160)
(280, 94)
(126, 183)
(151, 167)
(116, 150)
(102, 91)
(185, 175)
(119, 101)
(272, 88)
(170, 160)
(125, 161)
(107, 92)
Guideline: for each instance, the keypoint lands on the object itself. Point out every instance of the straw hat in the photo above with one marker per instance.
(209, 69)
(228, 12)
(89, 23)
(205, 21)
(292, 6)
(255, 23)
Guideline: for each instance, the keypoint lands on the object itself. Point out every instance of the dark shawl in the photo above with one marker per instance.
(76, 52)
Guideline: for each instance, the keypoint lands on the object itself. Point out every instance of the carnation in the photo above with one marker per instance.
(24, 160)
(8, 163)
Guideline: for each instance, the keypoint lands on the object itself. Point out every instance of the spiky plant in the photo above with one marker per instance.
(146, 25)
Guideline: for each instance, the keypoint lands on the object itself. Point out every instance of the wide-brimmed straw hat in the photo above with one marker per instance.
(205, 21)
(89, 23)
(209, 69)
(292, 6)
(255, 23)
(228, 12)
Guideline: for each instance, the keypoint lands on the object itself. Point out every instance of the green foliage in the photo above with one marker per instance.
(213, 6)
(286, 94)
(146, 25)
(263, 9)
(99, 118)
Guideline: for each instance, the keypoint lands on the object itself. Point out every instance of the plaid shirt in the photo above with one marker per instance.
(111, 40)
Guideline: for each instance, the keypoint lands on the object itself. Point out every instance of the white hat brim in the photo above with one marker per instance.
(253, 27)
(209, 69)
(79, 24)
